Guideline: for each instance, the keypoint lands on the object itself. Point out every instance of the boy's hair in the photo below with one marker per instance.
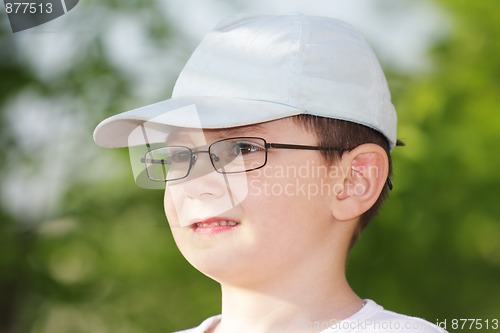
(345, 134)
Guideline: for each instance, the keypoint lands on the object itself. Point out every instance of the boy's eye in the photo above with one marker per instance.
(181, 157)
(244, 148)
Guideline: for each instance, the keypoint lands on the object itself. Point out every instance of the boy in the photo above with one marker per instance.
(275, 152)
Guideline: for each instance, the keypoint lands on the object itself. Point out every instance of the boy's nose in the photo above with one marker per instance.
(201, 164)
(202, 180)
(204, 187)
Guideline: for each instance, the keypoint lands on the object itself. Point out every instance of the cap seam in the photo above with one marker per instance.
(294, 61)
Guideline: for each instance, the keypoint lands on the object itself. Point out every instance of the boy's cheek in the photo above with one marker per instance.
(223, 193)
(170, 212)
(175, 207)
(304, 189)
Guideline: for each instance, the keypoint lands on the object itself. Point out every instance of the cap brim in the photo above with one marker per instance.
(190, 112)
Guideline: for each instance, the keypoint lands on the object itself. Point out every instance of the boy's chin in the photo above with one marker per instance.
(222, 271)
(225, 267)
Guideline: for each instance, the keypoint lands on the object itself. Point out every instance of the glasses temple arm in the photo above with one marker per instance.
(301, 147)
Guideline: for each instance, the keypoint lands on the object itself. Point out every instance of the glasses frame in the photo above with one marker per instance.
(267, 146)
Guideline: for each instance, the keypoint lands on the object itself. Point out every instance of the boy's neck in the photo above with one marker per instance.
(294, 303)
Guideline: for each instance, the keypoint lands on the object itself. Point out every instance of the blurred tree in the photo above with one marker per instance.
(435, 249)
(14, 243)
(101, 259)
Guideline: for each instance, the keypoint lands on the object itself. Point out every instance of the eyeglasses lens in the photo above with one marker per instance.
(238, 154)
(168, 163)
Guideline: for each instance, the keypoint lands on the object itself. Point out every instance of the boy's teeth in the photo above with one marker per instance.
(216, 224)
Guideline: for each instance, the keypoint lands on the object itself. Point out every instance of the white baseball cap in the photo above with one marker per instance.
(256, 68)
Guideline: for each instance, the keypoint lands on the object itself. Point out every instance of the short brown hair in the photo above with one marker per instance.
(347, 135)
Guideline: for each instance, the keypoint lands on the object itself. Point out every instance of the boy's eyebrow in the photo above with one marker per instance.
(240, 131)
(175, 135)
(250, 130)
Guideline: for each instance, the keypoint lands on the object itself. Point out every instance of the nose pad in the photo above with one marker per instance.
(202, 168)
(194, 157)
(203, 180)
(214, 158)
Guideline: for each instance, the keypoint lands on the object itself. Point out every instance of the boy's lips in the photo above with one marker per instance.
(214, 224)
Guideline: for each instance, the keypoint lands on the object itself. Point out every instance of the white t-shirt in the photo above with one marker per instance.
(372, 318)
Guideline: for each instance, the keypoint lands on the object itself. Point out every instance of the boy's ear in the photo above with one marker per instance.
(367, 168)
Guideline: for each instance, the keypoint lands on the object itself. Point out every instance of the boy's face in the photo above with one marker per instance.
(280, 216)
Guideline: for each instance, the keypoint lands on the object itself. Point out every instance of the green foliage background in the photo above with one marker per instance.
(104, 260)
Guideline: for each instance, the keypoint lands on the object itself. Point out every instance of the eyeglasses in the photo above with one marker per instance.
(232, 155)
